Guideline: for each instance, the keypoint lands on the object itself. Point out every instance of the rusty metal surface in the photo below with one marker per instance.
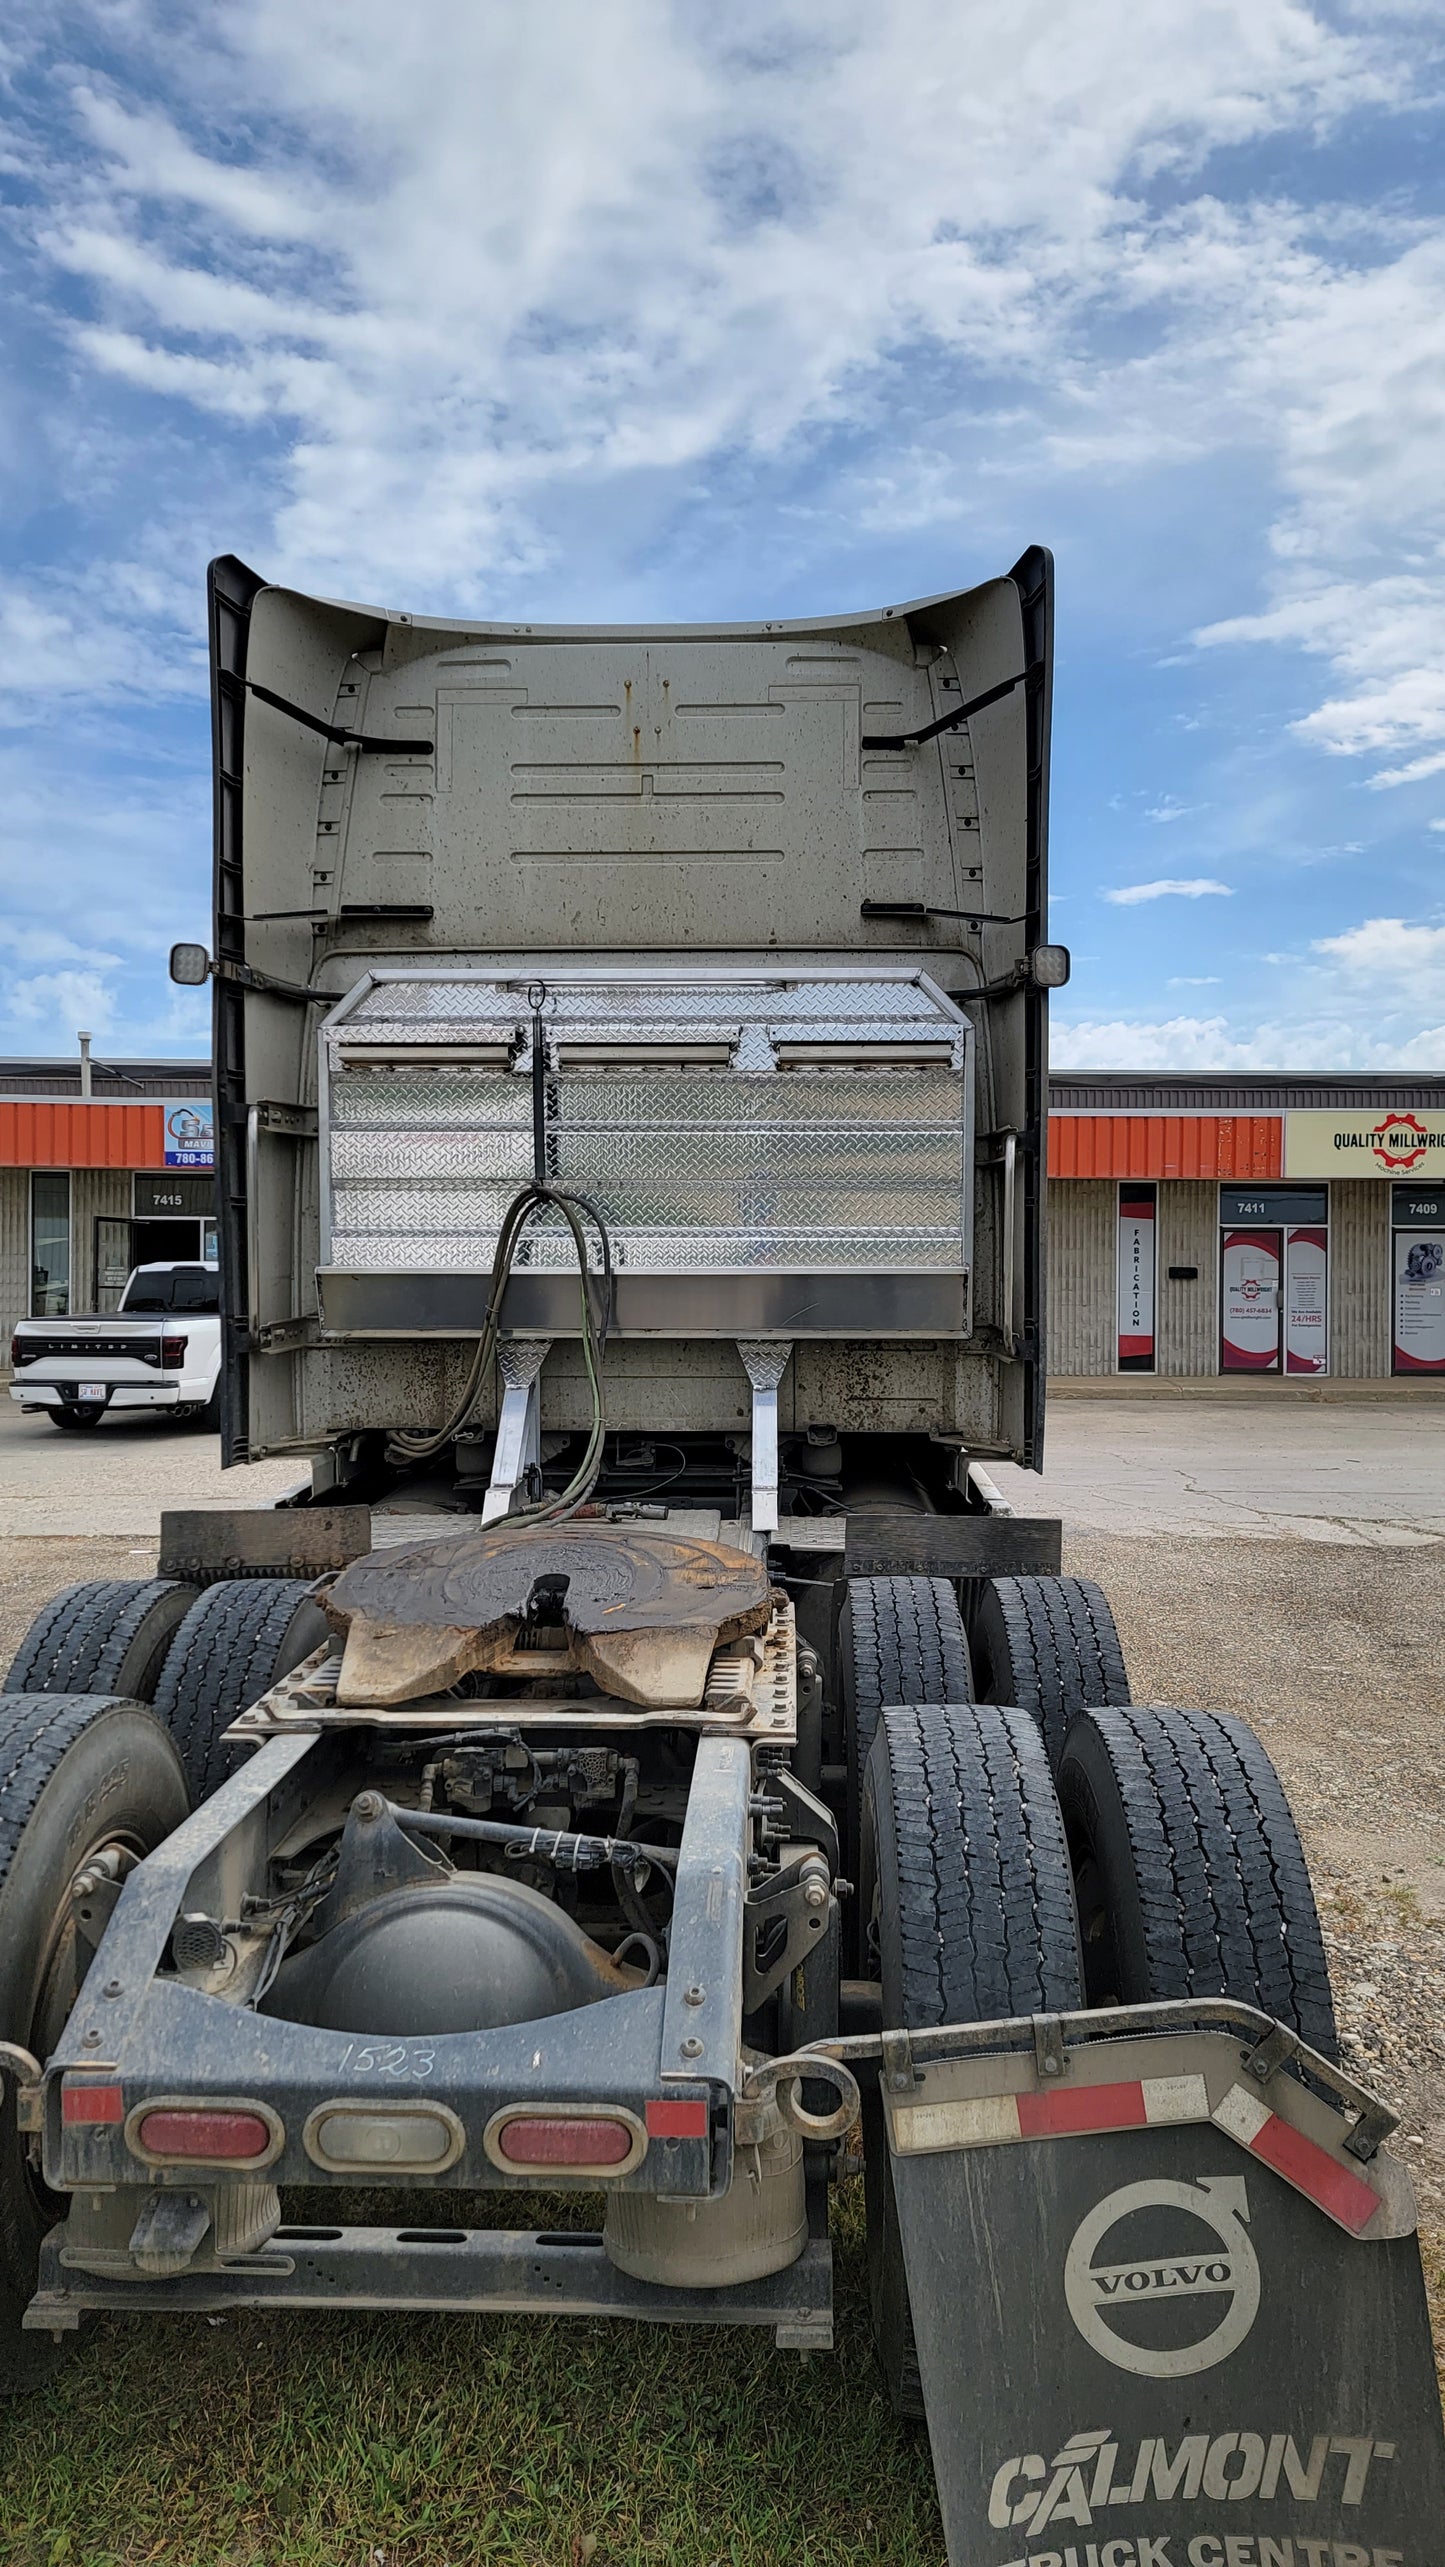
(751, 1691)
(206, 1543)
(640, 1610)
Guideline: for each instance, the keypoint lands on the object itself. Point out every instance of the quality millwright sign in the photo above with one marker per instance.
(1389, 1142)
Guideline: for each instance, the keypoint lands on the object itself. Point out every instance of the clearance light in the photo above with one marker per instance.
(424, 2139)
(217, 2134)
(572, 2141)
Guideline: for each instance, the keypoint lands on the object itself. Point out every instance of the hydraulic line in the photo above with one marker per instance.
(406, 1445)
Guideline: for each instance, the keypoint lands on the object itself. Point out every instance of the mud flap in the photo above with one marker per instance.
(1164, 2318)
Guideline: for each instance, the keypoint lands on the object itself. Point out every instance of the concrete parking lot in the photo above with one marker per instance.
(116, 1477)
(1365, 1473)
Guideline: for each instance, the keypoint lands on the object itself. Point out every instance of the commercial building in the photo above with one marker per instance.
(103, 1165)
(1289, 1227)
(1285, 1227)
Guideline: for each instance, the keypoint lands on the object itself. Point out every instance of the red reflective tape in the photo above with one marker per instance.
(669, 2117)
(1082, 2108)
(1314, 2171)
(91, 2104)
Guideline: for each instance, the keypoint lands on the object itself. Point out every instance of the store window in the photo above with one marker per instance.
(1274, 1296)
(1138, 1205)
(1417, 1244)
(49, 1245)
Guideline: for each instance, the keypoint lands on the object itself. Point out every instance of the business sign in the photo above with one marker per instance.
(1249, 1302)
(190, 1139)
(1419, 1328)
(1136, 1278)
(1396, 1141)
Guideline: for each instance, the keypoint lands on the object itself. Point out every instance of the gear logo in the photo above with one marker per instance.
(1395, 1144)
(1105, 2290)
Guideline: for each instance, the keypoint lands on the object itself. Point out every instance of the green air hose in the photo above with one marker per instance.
(407, 1445)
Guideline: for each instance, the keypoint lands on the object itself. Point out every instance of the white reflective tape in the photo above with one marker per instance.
(981, 2123)
(1242, 2115)
(1175, 2099)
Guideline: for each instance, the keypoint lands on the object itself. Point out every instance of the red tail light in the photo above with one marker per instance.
(20, 1353)
(533, 2139)
(217, 2134)
(173, 1352)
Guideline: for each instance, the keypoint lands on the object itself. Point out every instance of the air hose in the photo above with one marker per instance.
(406, 1445)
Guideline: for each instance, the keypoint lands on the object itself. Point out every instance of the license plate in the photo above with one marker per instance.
(91, 1390)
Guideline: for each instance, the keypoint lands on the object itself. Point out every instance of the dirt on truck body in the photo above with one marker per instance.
(646, 1750)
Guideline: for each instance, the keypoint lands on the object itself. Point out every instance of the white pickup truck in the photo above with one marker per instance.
(161, 1349)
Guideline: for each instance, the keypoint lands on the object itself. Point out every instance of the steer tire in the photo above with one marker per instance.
(1049, 1646)
(238, 1638)
(77, 1772)
(1188, 1868)
(109, 1636)
(966, 1890)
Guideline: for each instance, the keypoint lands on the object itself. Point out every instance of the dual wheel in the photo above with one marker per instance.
(1040, 1859)
(111, 1728)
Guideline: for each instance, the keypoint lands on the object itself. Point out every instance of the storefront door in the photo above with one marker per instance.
(1274, 1280)
(1418, 1246)
(1249, 1301)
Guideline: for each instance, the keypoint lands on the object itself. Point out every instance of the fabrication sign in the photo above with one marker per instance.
(189, 1131)
(1136, 1279)
(1403, 1141)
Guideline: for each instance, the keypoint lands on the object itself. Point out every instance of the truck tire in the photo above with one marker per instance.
(1049, 1646)
(77, 1772)
(239, 1637)
(109, 1636)
(899, 1640)
(206, 1417)
(1190, 1877)
(965, 1879)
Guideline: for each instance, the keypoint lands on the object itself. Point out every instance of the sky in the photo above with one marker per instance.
(647, 309)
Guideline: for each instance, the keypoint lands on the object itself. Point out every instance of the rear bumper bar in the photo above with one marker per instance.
(473, 2270)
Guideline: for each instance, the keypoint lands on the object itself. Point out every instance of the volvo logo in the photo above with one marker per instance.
(1103, 2288)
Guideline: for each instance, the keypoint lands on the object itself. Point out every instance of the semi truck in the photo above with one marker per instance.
(646, 1757)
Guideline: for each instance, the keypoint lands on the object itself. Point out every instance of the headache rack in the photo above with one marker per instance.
(773, 1152)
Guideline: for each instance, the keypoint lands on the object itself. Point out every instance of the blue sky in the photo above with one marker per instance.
(636, 308)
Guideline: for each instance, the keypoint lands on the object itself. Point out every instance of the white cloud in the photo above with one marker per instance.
(1168, 809)
(55, 1004)
(1190, 980)
(1195, 887)
(1329, 1044)
(1408, 960)
(479, 252)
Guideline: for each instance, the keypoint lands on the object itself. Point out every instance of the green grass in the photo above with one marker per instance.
(323, 2441)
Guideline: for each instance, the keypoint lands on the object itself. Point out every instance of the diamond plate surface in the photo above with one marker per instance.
(750, 1166)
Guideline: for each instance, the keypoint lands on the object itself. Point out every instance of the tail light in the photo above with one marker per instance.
(20, 1353)
(215, 2134)
(173, 1352)
(571, 2143)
